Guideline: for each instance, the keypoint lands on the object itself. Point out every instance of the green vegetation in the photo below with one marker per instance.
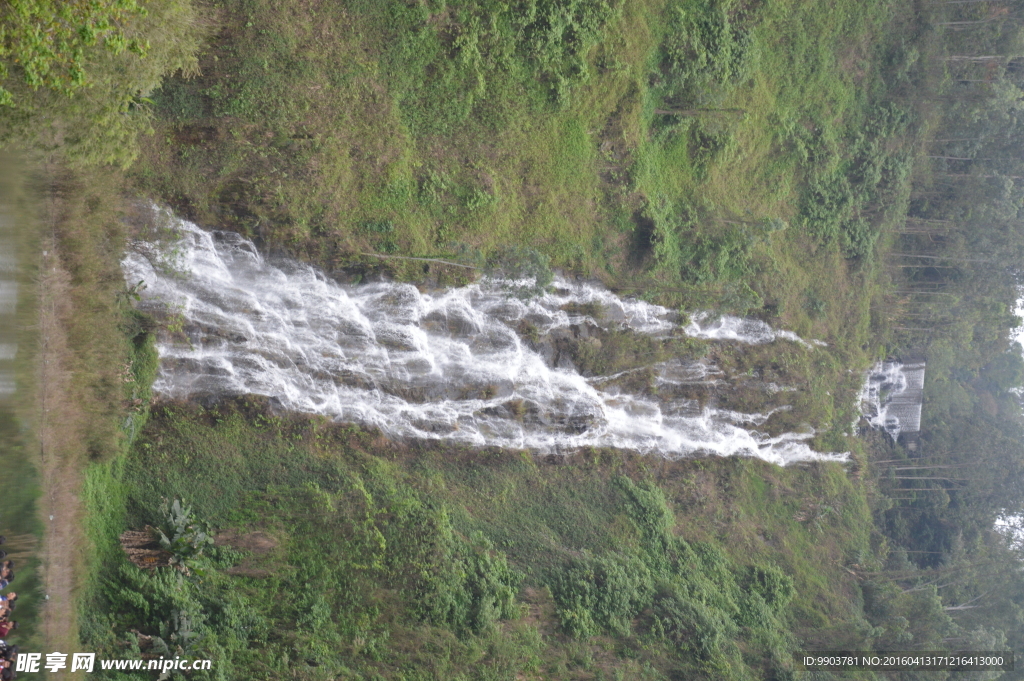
(183, 535)
(20, 526)
(84, 369)
(110, 353)
(851, 174)
(609, 137)
(47, 40)
(426, 562)
(75, 74)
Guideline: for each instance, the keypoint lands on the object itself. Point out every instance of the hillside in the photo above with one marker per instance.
(850, 175)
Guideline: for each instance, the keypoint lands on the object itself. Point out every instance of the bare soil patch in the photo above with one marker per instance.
(257, 543)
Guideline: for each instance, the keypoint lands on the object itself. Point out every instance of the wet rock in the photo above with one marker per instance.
(396, 338)
(546, 350)
(455, 322)
(354, 379)
(564, 361)
(494, 340)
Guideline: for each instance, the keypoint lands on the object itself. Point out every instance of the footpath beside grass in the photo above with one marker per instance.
(83, 369)
(350, 556)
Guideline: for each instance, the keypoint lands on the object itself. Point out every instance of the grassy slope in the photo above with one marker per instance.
(385, 128)
(349, 514)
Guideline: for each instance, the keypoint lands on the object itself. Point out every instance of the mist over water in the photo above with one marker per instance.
(446, 364)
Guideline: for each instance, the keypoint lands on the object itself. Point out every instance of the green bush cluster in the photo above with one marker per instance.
(462, 583)
(45, 42)
(846, 201)
(363, 558)
(694, 627)
(75, 74)
(557, 36)
(686, 593)
(481, 53)
(601, 593)
(382, 233)
(723, 257)
(706, 49)
(706, 254)
(174, 614)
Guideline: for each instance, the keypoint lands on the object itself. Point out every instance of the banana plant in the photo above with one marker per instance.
(183, 535)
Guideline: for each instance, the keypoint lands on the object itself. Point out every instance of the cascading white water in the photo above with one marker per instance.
(892, 397)
(447, 364)
(703, 325)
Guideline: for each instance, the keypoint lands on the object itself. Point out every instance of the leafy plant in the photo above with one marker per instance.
(557, 36)
(703, 51)
(383, 233)
(772, 584)
(465, 584)
(176, 635)
(596, 593)
(182, 534)
(693, 626)
(45, 40)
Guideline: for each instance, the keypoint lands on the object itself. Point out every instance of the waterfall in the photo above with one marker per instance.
(754, 331)
(892, 397)
(447, 364)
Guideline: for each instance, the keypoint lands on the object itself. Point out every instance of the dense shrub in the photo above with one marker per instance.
(837, 200)
(557, 35)
(601, 593)
(772, 584)
(481, 588)
(79, 72)
(693, 626)
(647, 508)
(703, 51)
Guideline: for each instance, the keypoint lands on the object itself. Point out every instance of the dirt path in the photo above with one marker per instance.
(59, 460)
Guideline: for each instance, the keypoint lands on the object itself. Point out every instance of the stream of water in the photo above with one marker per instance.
(447, 364)
(892, 397)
